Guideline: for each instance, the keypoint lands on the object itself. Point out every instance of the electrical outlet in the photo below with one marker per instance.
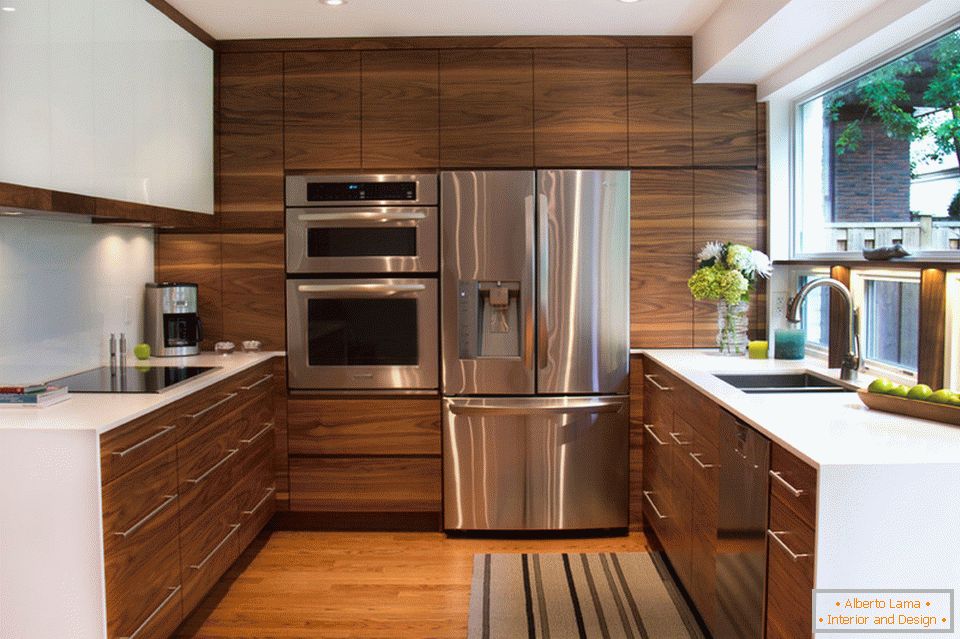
(780, 301)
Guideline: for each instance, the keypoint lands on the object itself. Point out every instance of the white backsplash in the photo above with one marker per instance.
(64, 287)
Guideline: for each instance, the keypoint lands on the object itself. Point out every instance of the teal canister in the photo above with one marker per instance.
(789, 343)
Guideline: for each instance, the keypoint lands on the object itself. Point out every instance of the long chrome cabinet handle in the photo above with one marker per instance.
(168, 499)
(212, 406)
(696, 458)
(233, 529)
(507, 409)
(197, 480)
(650, 378)
(543, 276)
(260, 503)
(258, 382)
(649, 429)
(266, 426)
(793, 555)
(796, 492)
(370, 289)
(173, 593)
(674, 437)
(160, 433)
(646, 495)
(362, 216)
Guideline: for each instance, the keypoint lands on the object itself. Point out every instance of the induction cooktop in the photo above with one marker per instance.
(129, 379)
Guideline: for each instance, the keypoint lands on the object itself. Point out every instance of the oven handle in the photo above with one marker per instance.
(377, 290)
(362, 216)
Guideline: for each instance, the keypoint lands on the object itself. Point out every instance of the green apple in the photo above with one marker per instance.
(899, 391)
(881, 385)
(143, 368)
(942, 396)
(955, 400)
(142, 351)
(921, 392)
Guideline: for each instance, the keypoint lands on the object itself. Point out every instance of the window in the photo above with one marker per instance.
(815, 314)
(878, 158)
(889, 306)
(952, 350)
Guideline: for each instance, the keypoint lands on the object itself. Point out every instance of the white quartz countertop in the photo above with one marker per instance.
(822, 428)
(101, 412)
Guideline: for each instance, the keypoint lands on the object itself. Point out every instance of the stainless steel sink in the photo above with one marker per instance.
(785, 383)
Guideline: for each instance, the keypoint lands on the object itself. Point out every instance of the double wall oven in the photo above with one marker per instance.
(362, 261)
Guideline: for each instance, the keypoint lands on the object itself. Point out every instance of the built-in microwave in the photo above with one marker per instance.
(367, 334)
(384, 223)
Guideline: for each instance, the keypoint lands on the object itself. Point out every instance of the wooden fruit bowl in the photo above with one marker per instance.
(911, 407)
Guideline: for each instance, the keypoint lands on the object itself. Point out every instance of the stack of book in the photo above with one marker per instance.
(38, 395)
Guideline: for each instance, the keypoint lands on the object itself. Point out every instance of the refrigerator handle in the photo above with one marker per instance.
(509, 408)
(543, 278)
(530, 213)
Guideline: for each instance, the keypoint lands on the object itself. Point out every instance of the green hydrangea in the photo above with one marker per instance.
(717, 283)
(738, 257)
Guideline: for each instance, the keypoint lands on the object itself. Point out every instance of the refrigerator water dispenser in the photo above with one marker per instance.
(490, 324)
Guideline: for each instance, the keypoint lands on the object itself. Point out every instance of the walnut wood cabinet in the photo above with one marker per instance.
(364, 455)
(184, 490)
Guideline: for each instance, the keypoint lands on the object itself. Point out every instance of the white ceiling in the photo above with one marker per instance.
(237, 19)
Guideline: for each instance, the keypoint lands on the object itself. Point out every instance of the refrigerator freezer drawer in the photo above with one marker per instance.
(538, 463)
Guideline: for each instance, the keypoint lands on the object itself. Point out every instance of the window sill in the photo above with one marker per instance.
(841, 259)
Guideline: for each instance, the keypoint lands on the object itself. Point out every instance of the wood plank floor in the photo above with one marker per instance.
(396, 585)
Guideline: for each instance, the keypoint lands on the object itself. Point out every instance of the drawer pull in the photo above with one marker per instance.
(260, 503)
(696, 458)
(258, 382)
(650, 378)
(646, 495)
(160, 433)
(266, 426)
(649, 429)
(212, 406)
(173, 593)
(793, 555)
(231, 453)
(796, 492)
(233, 529)
(167, 500)
(674, 437)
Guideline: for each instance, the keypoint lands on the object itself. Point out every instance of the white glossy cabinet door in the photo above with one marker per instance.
(107, 98)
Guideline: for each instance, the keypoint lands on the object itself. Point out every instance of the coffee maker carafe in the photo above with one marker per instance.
(172, 323)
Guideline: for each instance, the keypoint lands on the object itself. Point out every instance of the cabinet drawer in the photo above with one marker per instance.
(208, 407)
(790, 562)
(795, 483)
(364, 427)
(144, 599)
(365, 484)
(209, 544)
(258, 416)
(126, 447)
(256, 490)
(207, 466)
(141, 505)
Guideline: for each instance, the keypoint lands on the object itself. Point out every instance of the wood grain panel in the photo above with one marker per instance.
(400, 110)
(364, 426)
(839, 330)
(636, 443)
(454, 42)
(184, 22)
(486, 108)
(725, 125)
(661, 212)
(155, 578)
(725, 207)
(281, 464)
(322, 110)
(933, 312)
(365, 484)
(253, 289)
(661, 107)
(800, 476)
(580, 107)
(789, 583)
(124, 448)
(758, 328)
(194, 258)
(661, 307)
(250, 140)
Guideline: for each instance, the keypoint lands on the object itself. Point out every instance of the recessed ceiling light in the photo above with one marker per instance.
(334, 3)
(8, 9)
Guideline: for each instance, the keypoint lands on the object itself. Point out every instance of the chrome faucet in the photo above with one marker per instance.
(851, 360)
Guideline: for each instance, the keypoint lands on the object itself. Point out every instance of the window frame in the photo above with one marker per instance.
(795, 148)
(858, 278)
(812, 349)
(951, 350)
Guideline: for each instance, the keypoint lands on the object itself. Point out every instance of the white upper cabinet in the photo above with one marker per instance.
(107, 98)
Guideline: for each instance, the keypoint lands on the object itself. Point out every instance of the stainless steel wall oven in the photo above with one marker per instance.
(362, 260)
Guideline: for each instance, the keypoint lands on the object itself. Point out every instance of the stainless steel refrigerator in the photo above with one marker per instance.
(535, 332)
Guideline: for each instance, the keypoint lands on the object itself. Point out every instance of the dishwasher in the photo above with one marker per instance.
(741, 549)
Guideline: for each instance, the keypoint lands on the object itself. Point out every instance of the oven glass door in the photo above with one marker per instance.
(362, 240)
(367, 334)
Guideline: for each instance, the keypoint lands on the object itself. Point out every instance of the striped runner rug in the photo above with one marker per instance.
(586, 596)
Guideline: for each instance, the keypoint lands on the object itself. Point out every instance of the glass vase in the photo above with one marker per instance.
(732, 325)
